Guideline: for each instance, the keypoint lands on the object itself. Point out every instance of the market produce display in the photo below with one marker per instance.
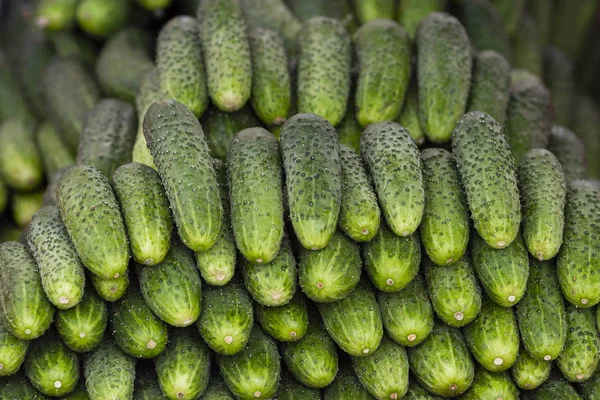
(299, 199)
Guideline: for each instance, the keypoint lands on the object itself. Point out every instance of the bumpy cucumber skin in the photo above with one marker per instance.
(354, 322)
(109, 370)
(492, 385)
(502, 272)
(444, 74)
(393, 160)
(409, 116)
(485, 27)
(442, 363)
(543, 193)
(12, 351)
(368, 10)
(19, 387)
(309, 143)
(360, 216)
(578, 262)
(529, 373)
(346, 386)
(146, 385)
(178, 146)
(331, 273)
(183, 369)
(26, 311)
(102, 18)
(146, 213)
(445, 225)
(253, 373)
(411, 12)
(149, 92)
(220, 127)
(286, 323)
(180, 306)
(54, 152)
(110, 289)
(324, 69)
(91, 214)
(226, 53)
(559, 76)
(579, 359)
(489, 177)
(541, 313)
(570, 152)
(490, 89)
(555, 387)
(82, 327)
(20, 160)
(180, 64)
(60, 268)
(290, 389)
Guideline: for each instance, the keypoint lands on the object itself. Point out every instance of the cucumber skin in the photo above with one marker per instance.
(188, 175)
(481, 152)
(110, 290)
(220, 127)
(579, 358)
(411, 12)
(24, 206)
(368, 10)
(488, 385)
(217, 389)
(392, 158)
(102, 18)
(445, 226)
(290, 389)
(409, 116)
(556, 387)
(20, 161)
(416, 392)
(146, 385)
(286, 323)
(54, 152)
(12, 351)
(309, 143)
(346, 386)
(577, 261)
(529, 373)
(109, 370)
(26, 311)
(570, 152)
(149, 92)
(590, 388)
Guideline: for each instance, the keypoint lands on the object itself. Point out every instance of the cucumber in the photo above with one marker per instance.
(220, 127)
(558, 74)
(416, 392)
(178, 146)
(527, 53)
(570, 152)
(349, 131)
(590, 388)
(82, 327)
(543, 192)
(442, 363)
(149, 92)
(146, 213)
(26, 311)
(384, 373)
(102, 18)
(291, 389)
(12, 351)
(253, 373)
(324, 68)
(91, 214)
(409, 116)
(110, 289)
(556, 387)
(454, 291)
(69, 44)
(224, 37)
(529, 373)
(577, 262)
(490, 88)
(271, 83)
(368, 10)
(443, 73)
(331, 273)
(226, 318)
(392, 158)
(487, 170)
(485, 27)
(173, 289)
(54, 152)
(411, 12)
(12, 102)
(313, 359)
(354, 322)
(183, 369)
(109, 370)
(285, 323)
(492, 385)
(146, 384)
(445, 226)
(359, 213)
(141, 340)
(255, 193)
(407, 315)
(108, 136)
(579, 358)
(346, 386)
(20, 160)
(541, 313)
(217, 390)
(311, 158)
(61, 270)
(79, 393)
(56, 15)
(51, 367)
(17, 387)
(24, 207)
(585, 120)
(180, 64)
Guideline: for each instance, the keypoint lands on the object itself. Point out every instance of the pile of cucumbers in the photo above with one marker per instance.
(299, 199)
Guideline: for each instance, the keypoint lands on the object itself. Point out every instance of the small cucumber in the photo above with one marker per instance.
(409, 116)
(528, 373)
(149, 92)
(349, 130)
(411, 12)
(102, 18)
(290, 389)
(346, 386)
(110, 289)
(25, 206)
(286, 323)
(492, 385)
(12, 352)
(54, 152)
(579, 358)
(109, 370)
(20, 160)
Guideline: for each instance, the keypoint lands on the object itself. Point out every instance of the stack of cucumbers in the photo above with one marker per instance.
(299, 199)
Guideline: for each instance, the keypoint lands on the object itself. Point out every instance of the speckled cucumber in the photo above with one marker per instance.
(290, 389)
(392, 158)
(411, 12)
(579, 358)
(487, 170)
(409, 116)
(368, 10)
(556, 387)
(12, 352)
(149, 92)
(173, 289)
(178, 146)
(90, 211)
(346, 386)
(220, 127)
(110, 289)
(26, 311)
(20, 160)
(82, 327)
(445, 226)
(570, 152)
(529, 373)
(54, 152)
(109, 370)
(490, 88)
(286, 323)
(492, 385)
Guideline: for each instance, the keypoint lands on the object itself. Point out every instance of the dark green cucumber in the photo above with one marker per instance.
(311, 159)
(286, 323)
(24, 206)
(346, 386)
(17, 387)
(559, 75)
(556, 387)
(488, 174)
(409, 116)
(349, 130)
(12, 351)
(12, 102)
(26, 311)
(54, 152)
(485, 27)
(253, 373)
(146, 384)
(511, 12)
(416, 392)
(586, 118)
(579, 358)
(149, 92)
(178, 146)
(79, 393)
(445, 226)
(338, 9)
(570, 152)
(180, 64)
(528, 373)
(69, 44)
(354, 322)
(578, 260)
(331, 273)
(154, 5)
(442, 363)
(590, 389)
(102, 18)
(393, 160)
(20, 160)
(541, 313)
(217, 390)
(290, 389)
(226, 318)
(324, 68)
(110, 289)
(368, 10)
(93, 219)
(183, 369)
(490, 88)
(109, 370)
(60, 268)
(527, 53)
(220, 127)
(411, 12)
(492, 385)
(454, 291)
(407, 315)
(82, 327)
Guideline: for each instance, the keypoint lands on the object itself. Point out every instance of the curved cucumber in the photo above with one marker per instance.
(528, 373)
(110, 289)
(579, 358)
(82, 327)
(12, 352)
(286, 323)
(109, 370)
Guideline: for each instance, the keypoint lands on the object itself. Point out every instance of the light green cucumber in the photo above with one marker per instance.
(12, 352)
(54, 152)
(102, 18)
(110, 289)
(368, 10)
(56, 15)
(411, 12)
(409, 116)
(528, 373)
(290, 389)
(579, 358)
(149, 92)
(25, 205)
(109, 370)
(285, 323)
(346, 386)
(220, 127)
(349, 130)
(20, 160)
(492, 385)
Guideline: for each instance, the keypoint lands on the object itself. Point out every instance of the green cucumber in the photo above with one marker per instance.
(590, 389)
(110, 289)
(20, 160)
(217, 390)
(109, 370)
(154, 5)
(586, 118)
(492, 385)
(490, 88)
(149, 92)
(102, 18)
(25, 206)
(559, 75)
(349, 130)
(50, 192)
(56, 15)
(409, 116)
(346, 386)
(556, 387)
(285, 323)
(3, 196)
(510, 11)
(416, 392)
(220, 127)
(291, 389)
(485, 27)
(54, 152)
(368, 10)
(70, 44)
(17, 387)
(528, 373)
(146, 384)
(82, 327)
(411, 12)
(12, 102)
(570, 152)
(12, 351)
(579, 359)
(79, 393)
(528, 44)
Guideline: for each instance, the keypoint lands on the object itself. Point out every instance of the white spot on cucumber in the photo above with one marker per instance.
(389, 281)
(366, 351)
(279, 120)
(228, 339)
(320, 285)
(259, 260)
(584, 301)
(58, 384)
(151, 344)
(149, 261)
(453, 387)
(501, 244)
(365, 231)
(28, 331)
(220, 276)
(547, 357)
(42, 22)
(257, 394)
(459, 316)
(82, 334)
(180, 395)
(293, 334)
(412, 337)
(449, 261)
(394, 396)
(512, 298)
(276, 295)
(63, 300)
(188, 321)
(1, 366)
(580, 376)
(498, 361)
(540, 255)
(405, 233)
(116, 275)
